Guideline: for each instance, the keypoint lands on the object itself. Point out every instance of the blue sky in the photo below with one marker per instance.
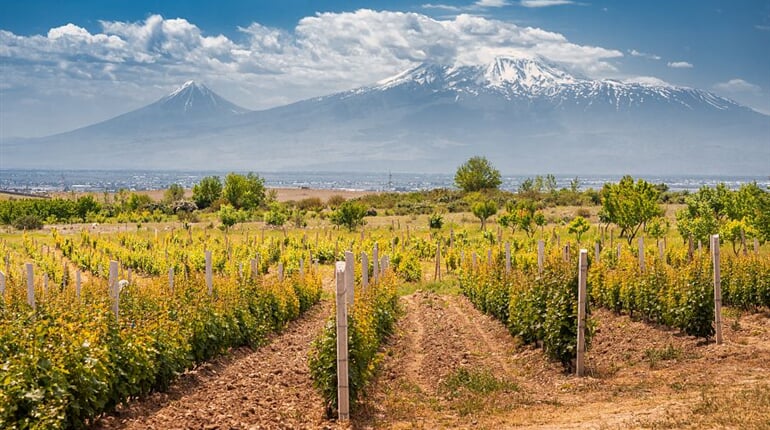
(68, 64)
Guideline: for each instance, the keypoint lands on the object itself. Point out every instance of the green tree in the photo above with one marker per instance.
(85, 205)
(174, 193)
(207, 191)
(244, 192)
(657, 228)
(578, 226)
(477, 174)
(277, 215)
(349, 214)
(229, 216)
(483, 210)
(629, 205)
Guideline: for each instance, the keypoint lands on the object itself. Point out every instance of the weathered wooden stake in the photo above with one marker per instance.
(717, 289)
(209, 274)
(384, 265)
(343, 399)
(507, 258)
(2, 285)
(280, 272)
(641, 253)
(350, 278)
(115, 288)
(690, 248)
(45, 283)
(128, 275)
(540, 255)
(473, 260)
(30, 284)
(743, 243)
(77, 283)
(566, 252)
(437, 271)
(364, 270)
(598, 252)
(489, 257)
(171, 279)
(756, 246)
(661, 251)
(581, 340)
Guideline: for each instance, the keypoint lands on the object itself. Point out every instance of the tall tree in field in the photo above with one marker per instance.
(207, 191)
(477, 174)
(244, 192)
(174, 193)
(629, 205)
(484, 210)
(349, 214)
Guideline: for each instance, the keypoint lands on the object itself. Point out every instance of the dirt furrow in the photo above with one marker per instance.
(266, 388)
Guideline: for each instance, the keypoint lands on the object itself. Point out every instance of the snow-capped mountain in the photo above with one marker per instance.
(525, 114)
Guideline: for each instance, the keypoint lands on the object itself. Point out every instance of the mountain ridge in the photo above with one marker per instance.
(518, 111)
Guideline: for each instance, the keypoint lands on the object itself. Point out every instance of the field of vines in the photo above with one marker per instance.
(69, 358)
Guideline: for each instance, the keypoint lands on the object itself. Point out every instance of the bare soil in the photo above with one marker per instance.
(269, 388)
(640, 376)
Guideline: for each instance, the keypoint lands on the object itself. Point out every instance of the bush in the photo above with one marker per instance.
(28, 222)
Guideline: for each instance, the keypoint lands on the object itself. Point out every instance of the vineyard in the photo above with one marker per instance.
(466, 323)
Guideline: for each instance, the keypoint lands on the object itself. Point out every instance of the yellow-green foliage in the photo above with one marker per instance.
(371, 320)
(70, 360)
(535, 307)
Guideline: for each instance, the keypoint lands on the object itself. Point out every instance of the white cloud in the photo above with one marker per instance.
(646, 80)
(679, 65)
(138, 62)
(762, 27)
(738, 86)
(545, 3)
(491, 3)
(635, 53)
(441, 6)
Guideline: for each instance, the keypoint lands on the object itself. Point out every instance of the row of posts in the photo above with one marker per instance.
(345, 297)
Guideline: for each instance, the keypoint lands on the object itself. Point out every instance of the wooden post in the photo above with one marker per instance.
(384, 265)
(743, 243)
(364, 270)
(489, 257)
(171, 279)
(565, 254)
(376, 262)
(209, 274)
(540, 255)
(690, 248)
(473, 260)
(253, 263)
(112, 279)
(343, 399)
(641, 253)
(280, 272)
(77, 283)
(2, 285)
(437, 271)
(598, 252)
(618, 251)
(499, 234)
(350, 277)
(128, 273)
(507, 258)
(30, 284)
(662, 251)
(45, 284)
(717, 289)
(581, 340)
(115, 288)
(756, 246)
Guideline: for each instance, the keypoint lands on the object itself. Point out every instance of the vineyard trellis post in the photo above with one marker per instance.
(171, 279)
(350, 276)
(209, 277)
(597, 251)
(364, 270)
(2, 284)
(77, 283)
(30, 285)
(641, 254)
(756, 246)
(343, 390)
(437, 270)
(115, 288)
(507, 258)
(581, 323)
(280, 272)
(717, 289)
(540, 255)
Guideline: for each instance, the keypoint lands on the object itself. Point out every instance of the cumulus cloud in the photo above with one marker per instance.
(267, 66)
(545, 3)
(635, 53)
(679, 65)
(491, 3)
(738, 85)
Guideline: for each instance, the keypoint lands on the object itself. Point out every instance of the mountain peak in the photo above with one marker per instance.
(196, 98)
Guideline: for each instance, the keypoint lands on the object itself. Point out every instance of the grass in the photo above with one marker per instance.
(474, 390)
(655, 356)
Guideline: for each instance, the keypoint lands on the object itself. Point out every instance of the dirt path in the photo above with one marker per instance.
(266, 388)
(449, 366)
